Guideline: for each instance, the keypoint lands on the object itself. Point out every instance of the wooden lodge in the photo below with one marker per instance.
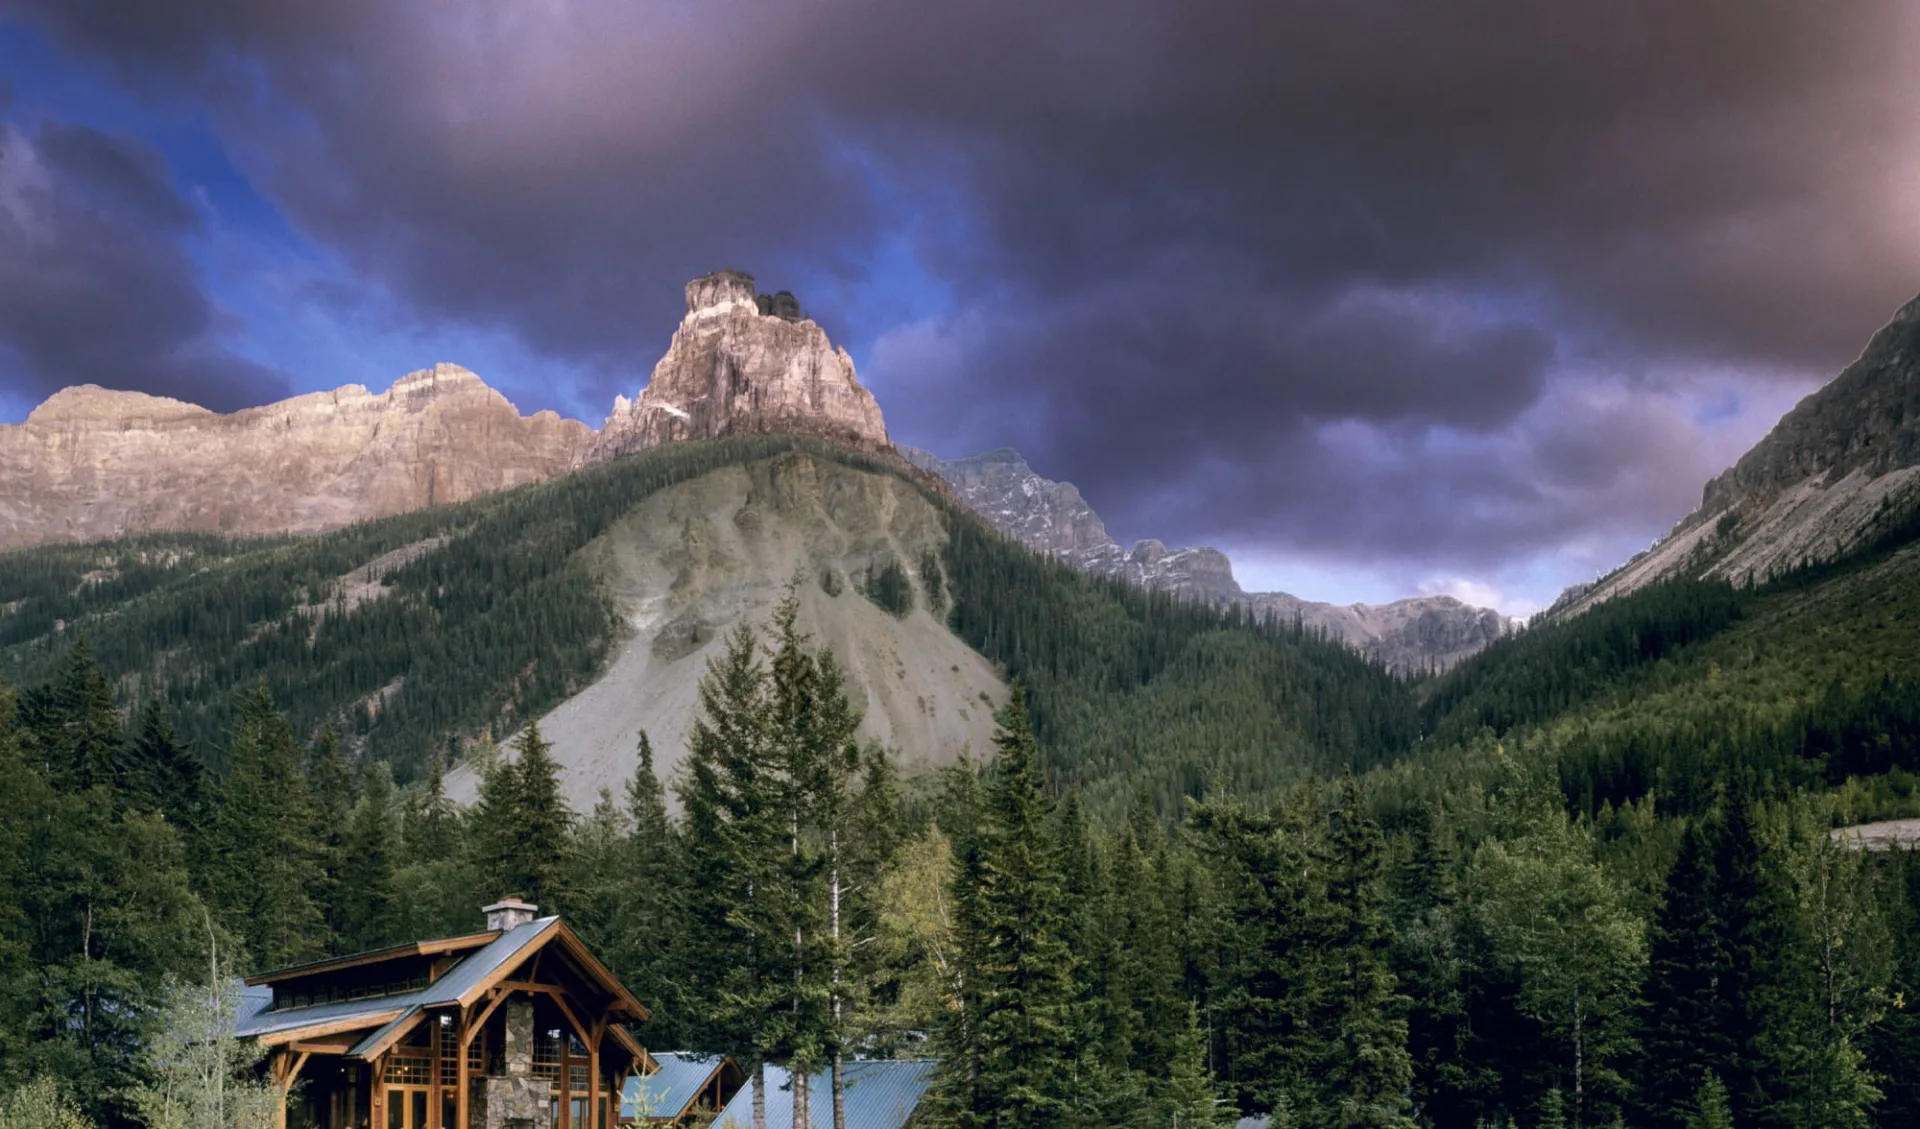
(517, 1027)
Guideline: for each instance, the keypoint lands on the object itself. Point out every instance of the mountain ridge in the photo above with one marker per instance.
(1053, 518)
(1827, 477)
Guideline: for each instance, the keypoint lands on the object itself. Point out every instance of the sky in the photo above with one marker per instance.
(1383, 297)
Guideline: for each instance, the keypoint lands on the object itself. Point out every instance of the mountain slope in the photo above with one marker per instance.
(692, 560)
(1422, 633)
(591, 600)
(1829, 476)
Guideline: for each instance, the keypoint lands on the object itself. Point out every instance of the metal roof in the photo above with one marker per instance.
(392, 1027)
(881, 1094)
(668, 1092)
(461, 978)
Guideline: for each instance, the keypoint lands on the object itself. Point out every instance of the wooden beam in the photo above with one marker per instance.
(335, 1027)
(566, 1084)
(499, 997)
(332, 1045)
(394, 1034)
(556, 995)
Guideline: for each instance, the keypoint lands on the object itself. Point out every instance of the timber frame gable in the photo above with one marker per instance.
(518, 1027)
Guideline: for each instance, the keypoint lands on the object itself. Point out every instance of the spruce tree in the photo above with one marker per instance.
(736, 843)
(649, 917)
(1365, 1072)
(1710, 1108)
(172, 778)
(1684, 1033)
(263, 874)
(373, 845)
(1764, 987)
(330, 778)
(73, 727)
(1022, 990)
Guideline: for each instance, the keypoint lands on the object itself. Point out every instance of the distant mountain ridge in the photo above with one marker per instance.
(91, 463)
(1828, 477)
(1421, 633)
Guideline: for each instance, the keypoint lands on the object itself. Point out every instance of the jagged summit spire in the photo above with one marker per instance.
(744, 363)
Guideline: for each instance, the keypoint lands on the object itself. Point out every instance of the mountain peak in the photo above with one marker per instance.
(744, 363)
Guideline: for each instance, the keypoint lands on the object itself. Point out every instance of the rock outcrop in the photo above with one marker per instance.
(1423, 633)
(1825, 480)
(742, 363)
(96, 463)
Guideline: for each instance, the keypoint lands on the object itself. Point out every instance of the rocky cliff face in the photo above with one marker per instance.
(1428, 632)
(744, 363)
(95, 463)
(1823, 481)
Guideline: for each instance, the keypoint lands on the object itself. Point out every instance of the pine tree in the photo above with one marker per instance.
(172, 778)
(1683, 1035)
(330, 779)
(263, 875)
(736, 839)
(1763, 986)
(1021, 990)
(74, 728)
(1264, 919)
(373, 844)
(522, 826)
(1365, 1071)
(1184, 1094)
(1710, 1108)
(648, 918)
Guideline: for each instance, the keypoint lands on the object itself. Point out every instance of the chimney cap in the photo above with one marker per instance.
(509, 912)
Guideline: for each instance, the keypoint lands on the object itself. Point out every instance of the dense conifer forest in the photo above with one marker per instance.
(1215, 867)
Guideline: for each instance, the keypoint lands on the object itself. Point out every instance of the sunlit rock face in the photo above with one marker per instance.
(90, 462)
(1831, 475)
(743, 363)
(1423, 633)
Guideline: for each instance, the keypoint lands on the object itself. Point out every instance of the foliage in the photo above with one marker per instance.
(40, 1104)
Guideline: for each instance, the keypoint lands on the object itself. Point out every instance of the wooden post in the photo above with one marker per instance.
(279, 1084)
(377, 1089)
(566, 1081)
(460, 1099)
(593, 1076)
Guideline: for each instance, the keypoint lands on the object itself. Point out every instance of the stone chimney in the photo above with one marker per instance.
(509, 912)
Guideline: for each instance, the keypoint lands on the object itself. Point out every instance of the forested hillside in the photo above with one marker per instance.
(412, 637)
(1584, 879)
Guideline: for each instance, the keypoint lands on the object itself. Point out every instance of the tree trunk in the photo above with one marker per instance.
(833, 928)
(760, 1095)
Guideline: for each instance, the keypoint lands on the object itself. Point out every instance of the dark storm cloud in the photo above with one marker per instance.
(1360, 253)
(95, 283)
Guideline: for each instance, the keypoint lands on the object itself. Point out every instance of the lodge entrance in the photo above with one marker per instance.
(407, 1107)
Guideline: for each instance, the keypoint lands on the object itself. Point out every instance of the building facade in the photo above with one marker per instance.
(514, 1027)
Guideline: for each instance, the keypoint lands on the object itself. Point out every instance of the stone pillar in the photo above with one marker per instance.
(518, 1043)
(518, 1101)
